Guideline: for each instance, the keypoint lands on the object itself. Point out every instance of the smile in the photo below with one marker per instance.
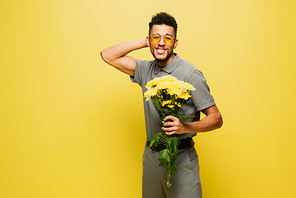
(160, 51)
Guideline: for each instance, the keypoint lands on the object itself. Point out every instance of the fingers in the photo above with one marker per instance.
(170, 121)
(173, 125)
(170, 117)
(169, 125)
(171, 128)
(171, 133)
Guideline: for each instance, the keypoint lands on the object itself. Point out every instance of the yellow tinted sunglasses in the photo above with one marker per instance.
(155, 39)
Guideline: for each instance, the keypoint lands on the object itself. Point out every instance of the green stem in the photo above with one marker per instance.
(180, 108)
(169, 146)
(169, 141)
(169, 175)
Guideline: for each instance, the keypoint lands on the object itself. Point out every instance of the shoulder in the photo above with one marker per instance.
(145, 65)
(144, 68)
(189, 70)
(144, 62)
(187, 66)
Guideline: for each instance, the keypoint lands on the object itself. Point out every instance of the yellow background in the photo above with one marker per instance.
(71, 126)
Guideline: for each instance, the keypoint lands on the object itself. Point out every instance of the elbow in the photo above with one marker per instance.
(106, 57)
(103, 56)
(220, 122)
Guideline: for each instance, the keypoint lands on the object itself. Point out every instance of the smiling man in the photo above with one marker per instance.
(162, 40)
(162, 46)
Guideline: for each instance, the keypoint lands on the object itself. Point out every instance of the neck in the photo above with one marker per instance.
(165, 63)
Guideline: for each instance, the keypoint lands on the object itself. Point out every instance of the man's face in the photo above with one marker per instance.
(162, 51)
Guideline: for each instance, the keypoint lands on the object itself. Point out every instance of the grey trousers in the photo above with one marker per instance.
(186, 184)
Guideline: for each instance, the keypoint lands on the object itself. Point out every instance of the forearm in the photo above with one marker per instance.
(210, 122)
(122, 49)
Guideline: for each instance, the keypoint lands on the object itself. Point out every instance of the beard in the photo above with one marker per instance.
(164, 59)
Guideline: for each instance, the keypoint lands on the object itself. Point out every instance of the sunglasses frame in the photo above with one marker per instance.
(161, 37)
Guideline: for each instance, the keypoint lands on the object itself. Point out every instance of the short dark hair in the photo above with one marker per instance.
(163, 18)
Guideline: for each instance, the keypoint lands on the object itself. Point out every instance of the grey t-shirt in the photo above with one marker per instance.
(182, 70)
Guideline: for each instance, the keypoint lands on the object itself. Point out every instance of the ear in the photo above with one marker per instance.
(148, 41)
(176, 43)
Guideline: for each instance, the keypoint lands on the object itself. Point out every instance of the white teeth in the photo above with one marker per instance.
(160, 50)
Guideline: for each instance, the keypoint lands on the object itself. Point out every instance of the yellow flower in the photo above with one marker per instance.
(173, 90)
(178, 104)
(184, 95)
(167, 78)
(172, 85)
(164, 85)
(149, 93)
(152, 83)
(171, 106)
(188, 87)
(166, 102)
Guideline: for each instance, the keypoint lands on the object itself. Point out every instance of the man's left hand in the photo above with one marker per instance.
(176, 126)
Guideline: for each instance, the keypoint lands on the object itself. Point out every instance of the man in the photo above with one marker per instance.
(162, 41)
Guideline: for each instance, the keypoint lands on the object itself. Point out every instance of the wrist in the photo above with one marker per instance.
(144, 42)
(189, 127)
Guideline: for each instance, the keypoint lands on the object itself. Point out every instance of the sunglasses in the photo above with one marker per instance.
(155, 39)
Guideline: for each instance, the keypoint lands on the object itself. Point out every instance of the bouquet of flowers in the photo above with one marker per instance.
(168, 94)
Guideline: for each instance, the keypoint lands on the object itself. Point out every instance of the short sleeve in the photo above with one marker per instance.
(137, 78)
(201, 96)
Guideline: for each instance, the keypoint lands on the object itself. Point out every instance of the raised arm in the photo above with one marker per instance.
(116, 55)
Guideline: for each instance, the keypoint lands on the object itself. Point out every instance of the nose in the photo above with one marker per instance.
(161, 42)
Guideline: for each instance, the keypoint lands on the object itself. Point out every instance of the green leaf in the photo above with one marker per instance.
(155, 140)
(167, 111)
(152, 140)
(166, 95)
(174, 168)
(162, 115)
(173, 99)
(156, 102)
(163, 158)
(164, 154)
(175, 141)
(170, 140)
(175, 148)
(163, 163)
(185, 116)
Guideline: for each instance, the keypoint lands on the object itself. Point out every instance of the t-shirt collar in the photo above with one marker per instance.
(170, 67)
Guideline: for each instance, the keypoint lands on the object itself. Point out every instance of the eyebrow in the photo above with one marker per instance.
(165, 34)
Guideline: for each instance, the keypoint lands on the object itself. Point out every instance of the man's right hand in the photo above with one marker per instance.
(116, 55)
